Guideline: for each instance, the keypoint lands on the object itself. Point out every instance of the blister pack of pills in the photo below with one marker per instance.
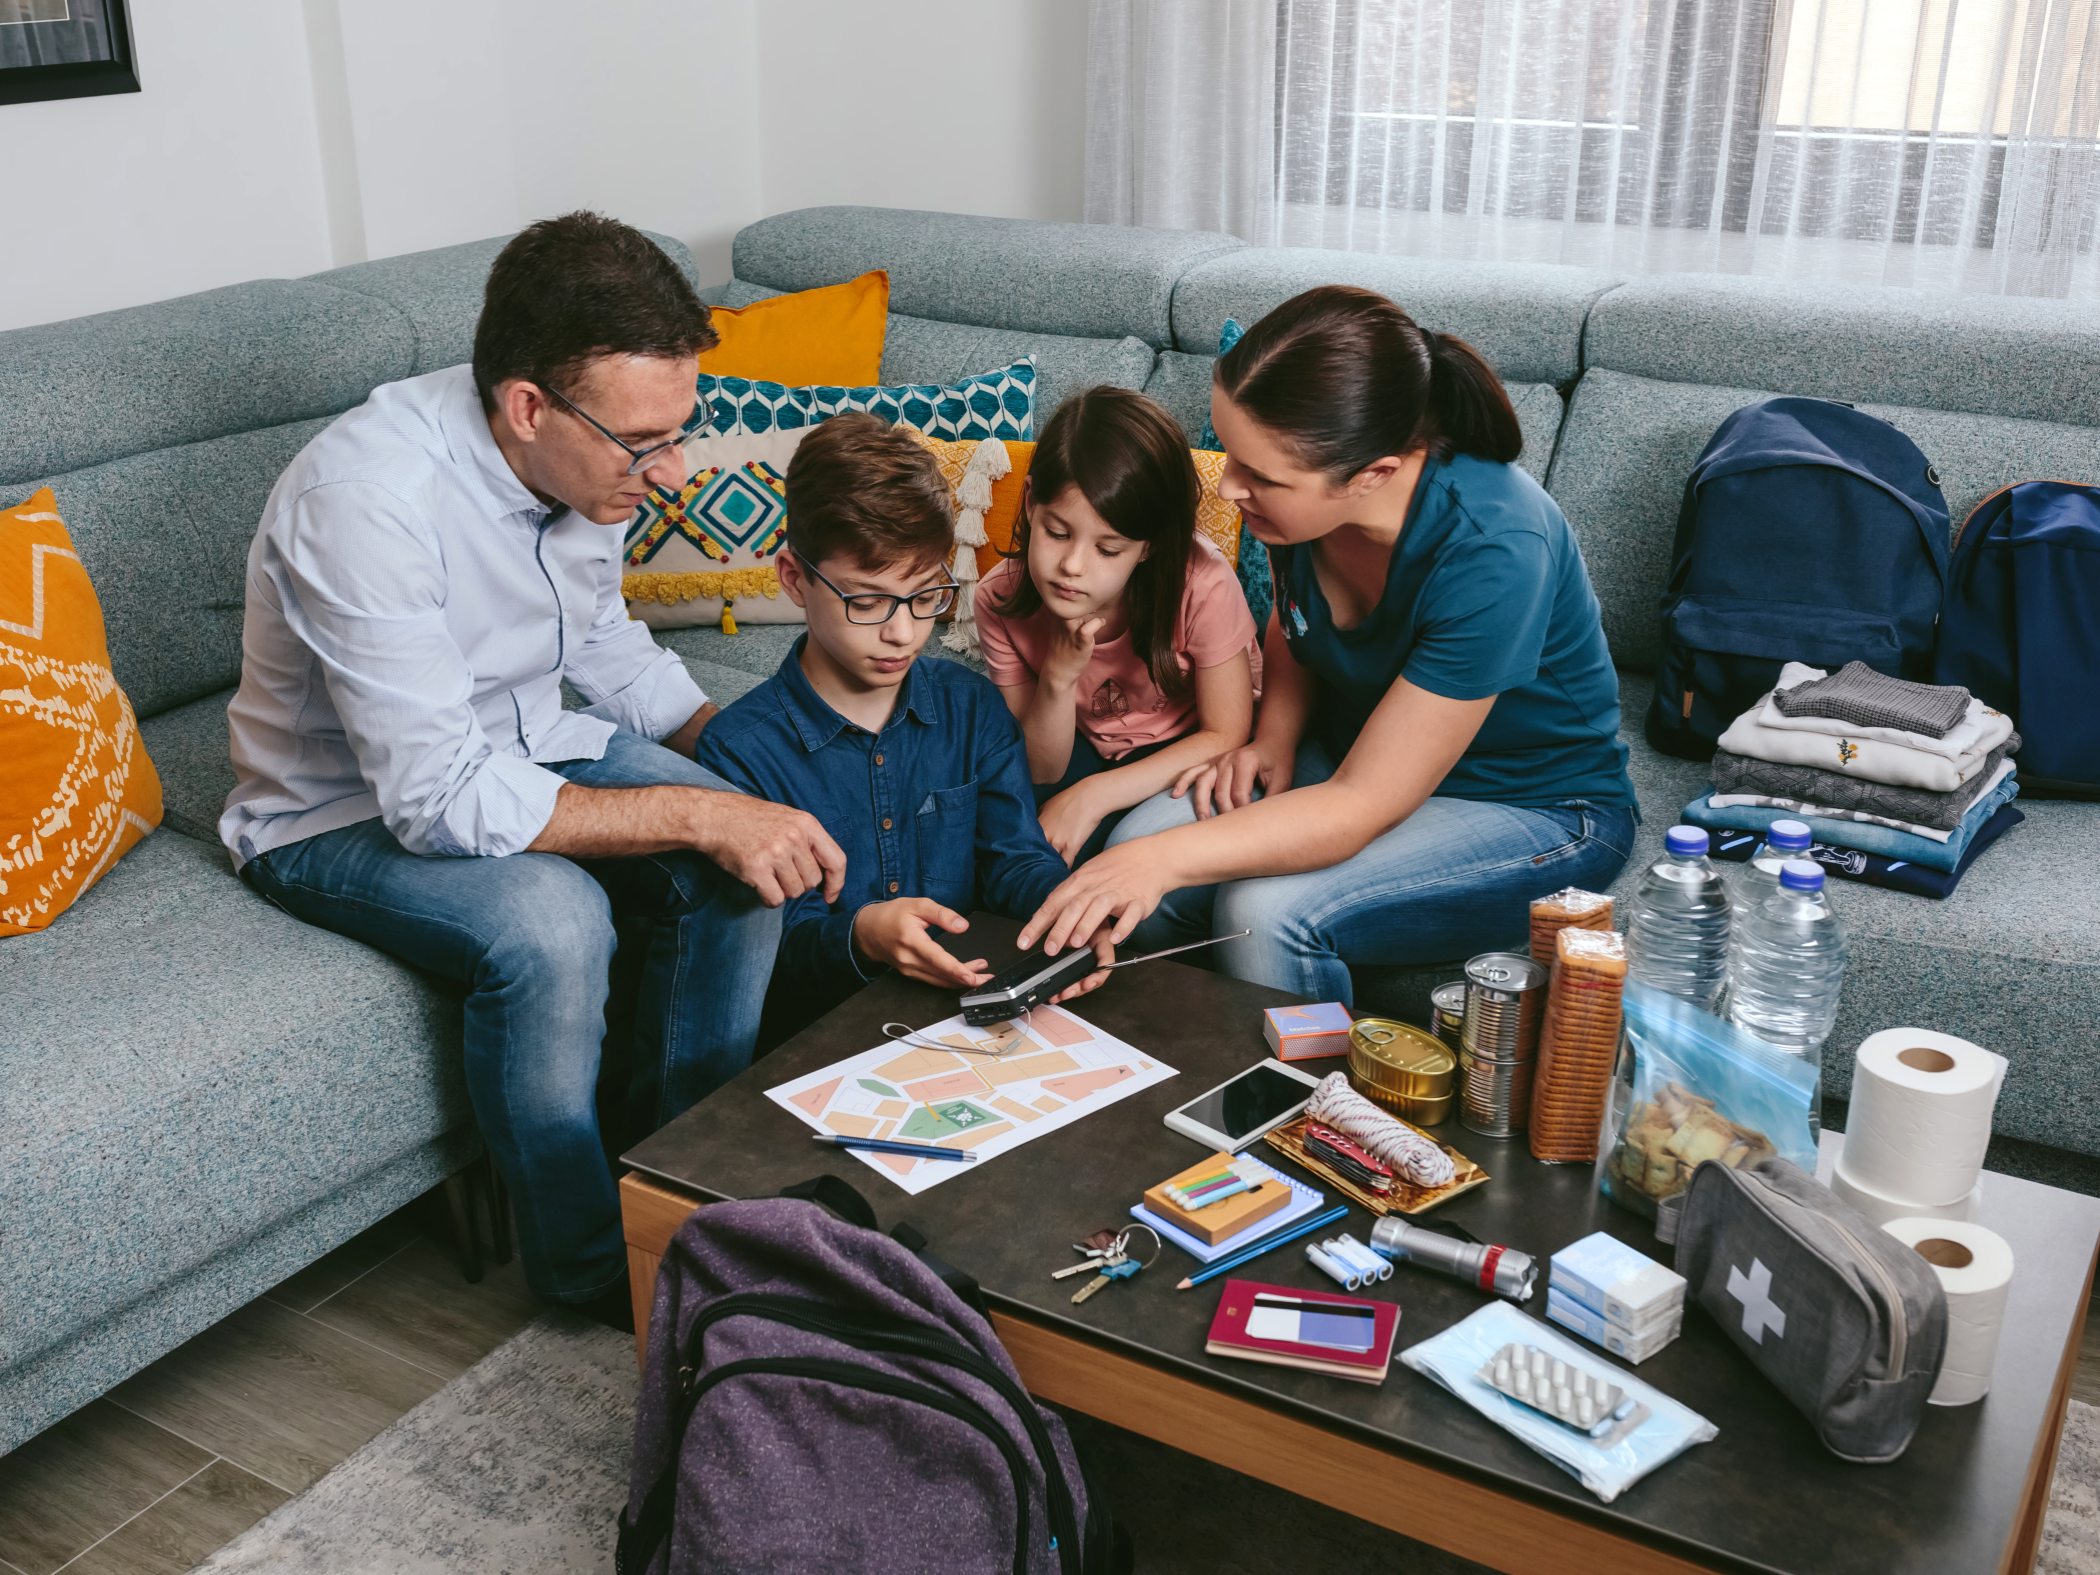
(1566, 1391)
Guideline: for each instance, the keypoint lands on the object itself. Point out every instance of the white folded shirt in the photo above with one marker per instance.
(1873, 754)
(1825, 812)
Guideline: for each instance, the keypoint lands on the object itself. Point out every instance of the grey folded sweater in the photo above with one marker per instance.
(1833, 790)
(1856, 693)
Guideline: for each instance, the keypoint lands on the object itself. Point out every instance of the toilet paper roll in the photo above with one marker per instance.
(1975, 1268)
(1881, 1208)
(1921, 1114)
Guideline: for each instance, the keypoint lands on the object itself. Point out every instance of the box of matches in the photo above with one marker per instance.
(1306, 1033)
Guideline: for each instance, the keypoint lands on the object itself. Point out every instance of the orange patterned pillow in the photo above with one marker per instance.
(76, 788)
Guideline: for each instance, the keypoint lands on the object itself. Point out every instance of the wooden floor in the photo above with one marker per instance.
(183, 1458)
(208, 1440)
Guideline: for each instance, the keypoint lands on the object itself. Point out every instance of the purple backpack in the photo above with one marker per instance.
(819, 1396)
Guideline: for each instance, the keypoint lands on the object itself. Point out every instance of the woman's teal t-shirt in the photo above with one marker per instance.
(1487, 595)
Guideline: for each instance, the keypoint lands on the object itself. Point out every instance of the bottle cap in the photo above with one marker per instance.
(1685, 841)
(1789, 834)
(1801, 875)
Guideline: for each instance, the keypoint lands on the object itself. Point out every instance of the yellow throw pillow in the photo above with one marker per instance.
(77, 790)
(831, 335)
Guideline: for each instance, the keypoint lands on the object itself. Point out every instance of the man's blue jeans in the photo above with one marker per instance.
(1454, 879)
(531, 938)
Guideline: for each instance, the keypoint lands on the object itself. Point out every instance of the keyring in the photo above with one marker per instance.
(1158, 1246)
(905, 1034)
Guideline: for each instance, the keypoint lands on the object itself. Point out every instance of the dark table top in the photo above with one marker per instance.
(1764, 1495)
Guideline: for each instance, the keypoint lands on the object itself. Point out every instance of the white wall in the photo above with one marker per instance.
(967, 106)
(278, 139)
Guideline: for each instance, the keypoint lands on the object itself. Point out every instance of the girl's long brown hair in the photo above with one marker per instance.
(1130, 460)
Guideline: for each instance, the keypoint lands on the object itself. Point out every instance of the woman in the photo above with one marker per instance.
(1438, 741)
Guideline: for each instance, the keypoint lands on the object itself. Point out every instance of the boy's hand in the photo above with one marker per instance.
(1069, 819)
(1105, 953)
(1070, 650)
(897, 933)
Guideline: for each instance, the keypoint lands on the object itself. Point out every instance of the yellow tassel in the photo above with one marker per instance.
(728, 620)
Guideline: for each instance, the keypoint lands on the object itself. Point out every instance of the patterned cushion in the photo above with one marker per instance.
(997, 404)
(76, 787)
(1251, 561)
(694, 553)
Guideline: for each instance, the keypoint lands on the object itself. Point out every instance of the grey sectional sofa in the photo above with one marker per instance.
(199, 1095)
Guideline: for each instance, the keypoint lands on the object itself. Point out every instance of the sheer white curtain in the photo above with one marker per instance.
(1947, 144)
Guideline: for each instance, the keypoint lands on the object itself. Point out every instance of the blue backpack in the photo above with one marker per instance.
(1810, 532)
(2021, 630)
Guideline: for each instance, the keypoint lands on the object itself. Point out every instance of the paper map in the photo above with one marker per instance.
(1051, 1069)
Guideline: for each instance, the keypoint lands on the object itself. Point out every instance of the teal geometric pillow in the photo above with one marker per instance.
(1253, 564)
(997, 404)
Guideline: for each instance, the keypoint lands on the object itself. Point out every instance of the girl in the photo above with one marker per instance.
(1120, 638)
(1439, 730)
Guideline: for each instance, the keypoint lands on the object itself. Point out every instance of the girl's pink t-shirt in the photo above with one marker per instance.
(1120, 707)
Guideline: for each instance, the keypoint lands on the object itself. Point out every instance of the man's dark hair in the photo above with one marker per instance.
(566, 291)
(863, 489)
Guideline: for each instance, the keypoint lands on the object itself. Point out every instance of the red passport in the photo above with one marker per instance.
(1321, 1332)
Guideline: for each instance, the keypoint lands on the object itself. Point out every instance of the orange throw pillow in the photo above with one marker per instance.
(832, 335)
(76, 788)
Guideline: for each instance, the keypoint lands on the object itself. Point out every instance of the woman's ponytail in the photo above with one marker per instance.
(1346, 377)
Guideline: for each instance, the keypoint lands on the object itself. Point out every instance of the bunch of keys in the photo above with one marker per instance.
(1107, 1259)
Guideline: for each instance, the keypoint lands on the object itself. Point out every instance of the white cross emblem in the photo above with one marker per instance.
(1754, 1291)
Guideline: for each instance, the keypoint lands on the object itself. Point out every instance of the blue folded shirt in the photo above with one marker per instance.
(1887, 841)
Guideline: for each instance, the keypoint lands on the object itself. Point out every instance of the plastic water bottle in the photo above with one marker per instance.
(1790, 967)
(1677, 935)
(1784, 839)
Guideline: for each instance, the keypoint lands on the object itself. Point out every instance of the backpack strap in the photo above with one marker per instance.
(913, 1240)
(838, 1195)
(845, 1201)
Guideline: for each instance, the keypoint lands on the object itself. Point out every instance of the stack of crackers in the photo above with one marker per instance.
(1578, 1045)
(1565, 909)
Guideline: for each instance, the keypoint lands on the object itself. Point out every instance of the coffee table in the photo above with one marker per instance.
(1969, 1496)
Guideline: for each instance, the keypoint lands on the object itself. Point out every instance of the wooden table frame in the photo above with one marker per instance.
(1398, 1492)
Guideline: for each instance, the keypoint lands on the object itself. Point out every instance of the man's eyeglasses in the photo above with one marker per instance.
(880, 607)
(639, 459)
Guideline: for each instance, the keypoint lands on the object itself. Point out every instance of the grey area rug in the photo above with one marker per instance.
(519, 1466)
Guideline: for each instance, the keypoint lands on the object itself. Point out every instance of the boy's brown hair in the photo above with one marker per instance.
(860, 488)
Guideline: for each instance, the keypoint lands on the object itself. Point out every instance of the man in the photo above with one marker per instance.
(427, 572)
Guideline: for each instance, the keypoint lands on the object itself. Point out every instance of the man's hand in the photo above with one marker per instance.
(1069, 819)
(1229, 781)
(1105, 953)
(778, 852)
(1070, 650)
(898, 934)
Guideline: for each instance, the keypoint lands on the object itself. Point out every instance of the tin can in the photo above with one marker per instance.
(1498, 1043)
(1404, 1068)
(1447, 1011)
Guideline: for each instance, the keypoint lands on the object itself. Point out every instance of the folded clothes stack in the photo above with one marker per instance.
(1902, 783)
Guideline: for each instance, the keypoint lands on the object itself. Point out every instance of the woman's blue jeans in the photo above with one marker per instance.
(531, 939)
(1454, 879)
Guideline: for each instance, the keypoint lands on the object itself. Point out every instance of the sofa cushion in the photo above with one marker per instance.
(1629, 442)
(832, 334)
(437, 294)
(1996, 355)
(1091, 281)
(190, 746)
(165, 538)
(94, 389)
(1525, 318)
(185, 1065)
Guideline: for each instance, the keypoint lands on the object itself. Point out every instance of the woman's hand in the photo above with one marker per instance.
(1071, 648)
(1069, 819)
(1104, 953)
(1230, 781)
(1123, 884)
(897, 934)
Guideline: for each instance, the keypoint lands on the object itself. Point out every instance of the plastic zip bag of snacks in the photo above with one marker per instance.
(1695, 1088)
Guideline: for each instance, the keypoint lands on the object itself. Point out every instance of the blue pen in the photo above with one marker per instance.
(892, 1146)
(1267, 1243)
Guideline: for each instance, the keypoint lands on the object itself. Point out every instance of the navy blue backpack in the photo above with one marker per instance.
(2021, 629)
(1810, 532)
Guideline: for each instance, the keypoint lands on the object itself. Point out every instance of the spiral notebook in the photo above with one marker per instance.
(1304, 1200)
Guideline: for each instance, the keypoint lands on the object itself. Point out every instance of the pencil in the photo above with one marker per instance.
(1268, 1243)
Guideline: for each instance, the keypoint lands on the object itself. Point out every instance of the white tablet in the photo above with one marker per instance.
(1236, 1112)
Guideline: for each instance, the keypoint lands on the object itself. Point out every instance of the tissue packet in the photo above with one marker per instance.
(1455, 1357)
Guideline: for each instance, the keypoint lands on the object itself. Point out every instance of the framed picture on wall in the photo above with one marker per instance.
(64, 49)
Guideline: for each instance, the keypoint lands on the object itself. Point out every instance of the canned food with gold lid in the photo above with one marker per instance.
(1407, 1069)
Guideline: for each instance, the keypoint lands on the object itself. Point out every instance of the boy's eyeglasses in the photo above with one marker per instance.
(881, 607)
(639, 459)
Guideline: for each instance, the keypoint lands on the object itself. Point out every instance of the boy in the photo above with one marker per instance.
(917, 770)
